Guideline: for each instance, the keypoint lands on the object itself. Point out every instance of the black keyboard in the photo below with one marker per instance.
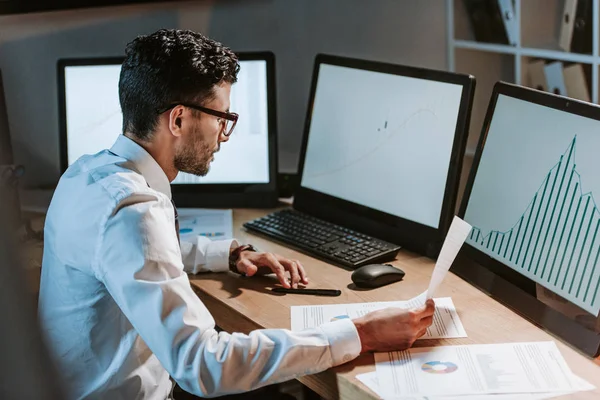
(323, 239)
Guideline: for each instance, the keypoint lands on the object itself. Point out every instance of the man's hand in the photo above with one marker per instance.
(393, 328)
(251, 263)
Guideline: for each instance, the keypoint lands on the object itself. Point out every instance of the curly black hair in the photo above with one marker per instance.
(166, 67)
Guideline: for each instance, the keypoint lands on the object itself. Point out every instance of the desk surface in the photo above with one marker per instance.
(241, 304)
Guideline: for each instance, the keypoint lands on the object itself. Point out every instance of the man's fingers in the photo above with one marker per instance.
(278, 265)
(277, 268)
(293, 268)
(425, 310)
(248, 268)
(426, 322)
(421, 332)
(302, 272)
(429, 307)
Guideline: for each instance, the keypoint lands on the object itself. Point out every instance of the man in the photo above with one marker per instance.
(115, 299)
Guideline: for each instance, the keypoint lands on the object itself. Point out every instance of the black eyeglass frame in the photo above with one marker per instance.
(229, 116)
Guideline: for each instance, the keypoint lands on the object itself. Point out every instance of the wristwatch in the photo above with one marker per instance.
(235, 255)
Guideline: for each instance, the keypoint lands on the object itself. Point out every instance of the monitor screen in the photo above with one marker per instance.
(94, 120)
(382, 140)
(533, 206)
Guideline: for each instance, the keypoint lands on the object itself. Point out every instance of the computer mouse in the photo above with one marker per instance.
(376, 275)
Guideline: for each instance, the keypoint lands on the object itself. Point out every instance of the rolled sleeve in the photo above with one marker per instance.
(217, 255)
(343, 339)
(200, 254)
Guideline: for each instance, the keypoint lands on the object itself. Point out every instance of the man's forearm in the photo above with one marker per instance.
(225, 363)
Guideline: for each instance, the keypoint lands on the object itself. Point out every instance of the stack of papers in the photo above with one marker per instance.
(213, 224)
(446, 322)
(370, 380)
(515, 370)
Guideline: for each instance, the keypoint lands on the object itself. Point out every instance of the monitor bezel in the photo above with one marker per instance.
(202, 194)
(494, 277)
(404, 232)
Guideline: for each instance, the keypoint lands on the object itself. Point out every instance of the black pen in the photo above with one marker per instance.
(316, 292)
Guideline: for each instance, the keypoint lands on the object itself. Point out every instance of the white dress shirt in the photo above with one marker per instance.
(117, 307)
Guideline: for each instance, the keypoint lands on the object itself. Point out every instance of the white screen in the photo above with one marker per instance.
(94, 121)
(532, 204)
(383, 141)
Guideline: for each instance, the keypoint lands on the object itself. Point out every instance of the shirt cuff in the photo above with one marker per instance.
(217, 255)
(343, 340)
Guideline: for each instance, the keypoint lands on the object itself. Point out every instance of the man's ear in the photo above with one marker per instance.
(176, 117)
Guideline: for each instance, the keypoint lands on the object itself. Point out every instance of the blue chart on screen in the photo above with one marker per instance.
(556, 238)
(439, 367)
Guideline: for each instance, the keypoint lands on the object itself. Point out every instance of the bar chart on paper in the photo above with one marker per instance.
(556, 240)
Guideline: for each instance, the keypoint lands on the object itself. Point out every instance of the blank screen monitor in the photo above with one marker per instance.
(243, 172)
(385, 142)
(532, 200)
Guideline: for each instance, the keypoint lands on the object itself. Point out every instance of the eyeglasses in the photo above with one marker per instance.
(227, 119)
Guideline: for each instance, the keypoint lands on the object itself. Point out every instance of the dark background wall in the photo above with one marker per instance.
(411, 32)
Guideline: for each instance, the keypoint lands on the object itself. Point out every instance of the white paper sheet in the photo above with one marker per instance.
(446, 322)
(213, 224)
(370, 380)
(474, 370)
(457, 234)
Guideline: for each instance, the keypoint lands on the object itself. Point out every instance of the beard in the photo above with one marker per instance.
(195, 157)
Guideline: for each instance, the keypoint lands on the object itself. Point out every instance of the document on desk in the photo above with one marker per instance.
(457, 234)
(446, 322)
(370, 380)
(508, 368)
(213, 224)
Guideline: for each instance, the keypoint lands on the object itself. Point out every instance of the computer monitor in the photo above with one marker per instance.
(383, 147)
(532, 201)
(244, 170)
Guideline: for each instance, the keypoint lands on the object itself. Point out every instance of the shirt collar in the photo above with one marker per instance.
(145, 164)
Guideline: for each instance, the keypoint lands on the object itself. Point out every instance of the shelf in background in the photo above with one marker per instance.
(491, 47)
(525, 51)
(558, 55)
(538, 23)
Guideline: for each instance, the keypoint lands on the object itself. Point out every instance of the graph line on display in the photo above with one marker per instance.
(376, 148)
(555, 240)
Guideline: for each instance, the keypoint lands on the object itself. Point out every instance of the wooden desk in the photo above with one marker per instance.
(241, 304)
